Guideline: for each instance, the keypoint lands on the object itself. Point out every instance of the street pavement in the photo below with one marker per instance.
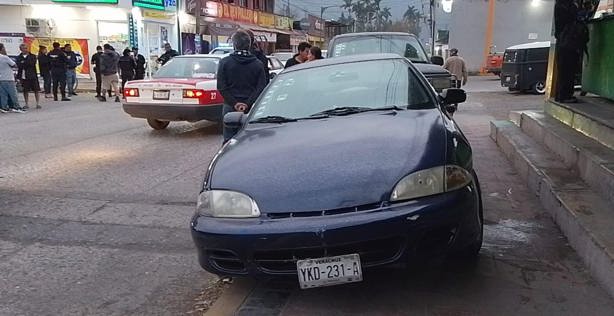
(95, 206)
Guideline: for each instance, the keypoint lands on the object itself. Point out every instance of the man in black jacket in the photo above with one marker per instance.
(96, 64)
(240, 78)
(141, 63)
(58, 62)
(301, 57)
(257, 51)
(168, 54)
(26, 72)
(44, 68)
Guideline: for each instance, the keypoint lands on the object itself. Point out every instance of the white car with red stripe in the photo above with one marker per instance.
(184, 89)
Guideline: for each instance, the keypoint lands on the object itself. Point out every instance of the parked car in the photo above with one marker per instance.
(275, 66)
(525, 67)
(403, 44)
(222, 50)
(494, 63)
(324, 200)
(283, 56)
(184, 89)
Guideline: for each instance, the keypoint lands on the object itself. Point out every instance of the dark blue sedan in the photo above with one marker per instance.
(343, 164)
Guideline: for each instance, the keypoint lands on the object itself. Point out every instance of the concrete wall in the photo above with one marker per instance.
(514, 21)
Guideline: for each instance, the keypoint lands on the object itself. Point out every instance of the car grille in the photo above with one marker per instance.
(371, 253)
(338, 211)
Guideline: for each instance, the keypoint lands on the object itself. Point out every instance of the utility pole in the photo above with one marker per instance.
(288, 8)
(432, 14)
(490, 21)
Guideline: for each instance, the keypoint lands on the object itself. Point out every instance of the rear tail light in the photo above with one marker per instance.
(203, 96)
(131, 92)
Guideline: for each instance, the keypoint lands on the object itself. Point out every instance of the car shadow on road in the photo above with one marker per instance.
(186, 130)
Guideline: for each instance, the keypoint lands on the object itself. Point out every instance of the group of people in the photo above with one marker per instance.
(57, 68)
(306, 53)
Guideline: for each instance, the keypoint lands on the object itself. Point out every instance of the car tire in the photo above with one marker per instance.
(472, 251)
(539, 88)
(157, 124)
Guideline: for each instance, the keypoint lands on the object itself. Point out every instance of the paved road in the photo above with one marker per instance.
(94, 208)
(94, 211)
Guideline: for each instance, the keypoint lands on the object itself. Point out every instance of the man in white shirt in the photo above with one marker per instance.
(456, 66)
(8, 89)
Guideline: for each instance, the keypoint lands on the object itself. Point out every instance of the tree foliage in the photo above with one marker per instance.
(369, 15)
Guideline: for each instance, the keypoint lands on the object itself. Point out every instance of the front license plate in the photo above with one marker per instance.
(329, 271)
(161, 94)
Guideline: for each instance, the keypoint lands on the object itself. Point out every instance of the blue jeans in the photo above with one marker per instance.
(71, 78)
(8, 95)
(227, 131)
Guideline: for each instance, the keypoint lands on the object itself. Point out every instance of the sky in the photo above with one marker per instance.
(397, 7)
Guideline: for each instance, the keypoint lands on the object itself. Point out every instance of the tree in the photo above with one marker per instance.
(368, 14)
(412, 18)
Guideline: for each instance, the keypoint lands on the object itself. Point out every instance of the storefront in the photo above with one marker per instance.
(315, 31)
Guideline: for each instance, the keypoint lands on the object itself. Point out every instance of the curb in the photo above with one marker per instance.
(232, 298)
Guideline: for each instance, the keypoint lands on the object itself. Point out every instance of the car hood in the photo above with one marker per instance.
(329, 163)
(431, 70)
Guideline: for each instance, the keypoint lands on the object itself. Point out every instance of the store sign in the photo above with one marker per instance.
(158, 15)
(79, 46)
(283, 22)
(149, 4)
(316, 25)
(268, 36)
(133, 32)
(11, 42)
(295, 40)
(266, 19)
(87, 1)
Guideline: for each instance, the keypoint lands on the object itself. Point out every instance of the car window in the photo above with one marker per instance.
(189, 68)
(537, 54)
(283, 57)
(275, 63)
(372, 84)
(221, 51)
(406, 46)
(509, 56)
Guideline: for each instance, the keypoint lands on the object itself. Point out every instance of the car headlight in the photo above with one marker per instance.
(230, 204)
(441, 83)
(431, 181)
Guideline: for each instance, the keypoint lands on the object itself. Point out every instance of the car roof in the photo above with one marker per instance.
(203, 56)
(531, 45)
(345, 60)
(374, 34)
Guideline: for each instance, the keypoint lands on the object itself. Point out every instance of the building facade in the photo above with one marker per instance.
(85, 24)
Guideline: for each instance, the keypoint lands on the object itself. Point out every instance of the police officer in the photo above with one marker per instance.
(96, 63)
(59, 64)
(169, 53)
(141, 64)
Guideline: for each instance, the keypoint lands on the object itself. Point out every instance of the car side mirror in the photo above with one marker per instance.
(437, 60)
(234, 119)
(453, 96)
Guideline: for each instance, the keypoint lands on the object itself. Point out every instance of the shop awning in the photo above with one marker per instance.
(264, 29)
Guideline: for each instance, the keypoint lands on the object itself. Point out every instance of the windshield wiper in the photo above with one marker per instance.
(347, 110)
(273, 119)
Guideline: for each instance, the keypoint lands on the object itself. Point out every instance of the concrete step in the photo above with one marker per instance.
(593, 161)
(593, 117)
(586, 219)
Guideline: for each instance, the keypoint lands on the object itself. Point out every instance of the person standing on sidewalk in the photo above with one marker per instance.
(96, 63)
(240, 79)
(71, 73)
(127, 67)
(108, 68)
(141, 64)
(168, 54)
(8, 89)
(58, 63)
(44, 68)
(26, 72)
(457, 67)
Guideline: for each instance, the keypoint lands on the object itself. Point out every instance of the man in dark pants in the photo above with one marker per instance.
(140, 64)
(58, 62)
(26, 72)
(96, 63)
(44, 67)
(240, 79)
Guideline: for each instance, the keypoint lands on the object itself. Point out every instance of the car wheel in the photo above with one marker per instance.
(157, 124)
(539, 87)
(473, 250)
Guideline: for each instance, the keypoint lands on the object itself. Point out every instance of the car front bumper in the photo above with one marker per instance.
(175, 112)
(387, 235)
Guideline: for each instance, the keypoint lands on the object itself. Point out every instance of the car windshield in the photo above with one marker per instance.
(406, 46)
(365, 85)
(510, 56)
(189, 67)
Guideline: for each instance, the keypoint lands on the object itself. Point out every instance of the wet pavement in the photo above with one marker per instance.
(94, 212)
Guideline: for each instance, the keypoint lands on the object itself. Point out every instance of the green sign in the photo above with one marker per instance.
(149, 4)
(88, 1)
